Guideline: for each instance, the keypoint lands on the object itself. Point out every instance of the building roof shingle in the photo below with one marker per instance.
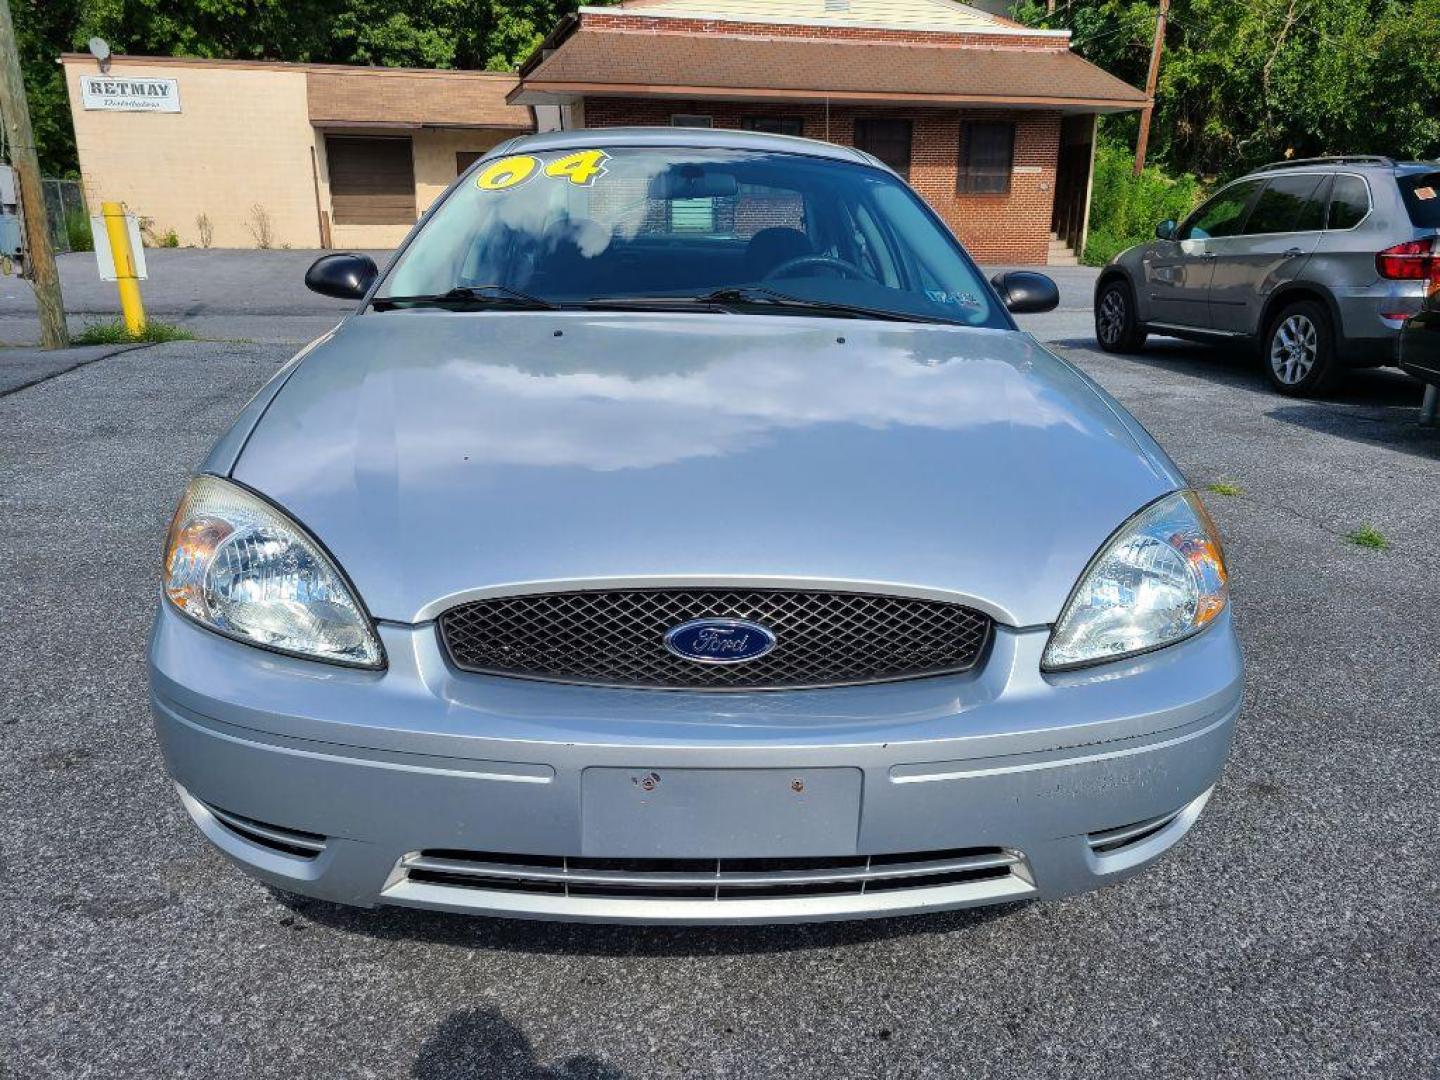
(597, 62)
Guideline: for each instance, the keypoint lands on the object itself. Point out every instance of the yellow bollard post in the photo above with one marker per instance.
(132, 308)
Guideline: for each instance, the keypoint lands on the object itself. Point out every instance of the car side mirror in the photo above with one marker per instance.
(1025, 292)
(346, 276)
(1166, 229)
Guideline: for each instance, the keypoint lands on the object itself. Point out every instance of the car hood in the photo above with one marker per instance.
(442, 454)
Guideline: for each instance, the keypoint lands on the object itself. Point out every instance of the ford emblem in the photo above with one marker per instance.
(719, 641)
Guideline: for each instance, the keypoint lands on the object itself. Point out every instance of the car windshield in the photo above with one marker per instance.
(666, 225)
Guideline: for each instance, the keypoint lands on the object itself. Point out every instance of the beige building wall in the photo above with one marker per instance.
(435, 158)
(242, 139)
(433, 152)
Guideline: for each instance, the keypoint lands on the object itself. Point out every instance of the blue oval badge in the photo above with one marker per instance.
(719, 641)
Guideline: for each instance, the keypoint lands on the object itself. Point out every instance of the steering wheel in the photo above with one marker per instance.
(828, 262)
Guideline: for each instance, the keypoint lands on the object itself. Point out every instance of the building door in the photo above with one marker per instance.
(1072, 181)
(372, 181)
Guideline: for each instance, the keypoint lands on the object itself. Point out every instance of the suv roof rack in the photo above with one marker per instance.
(1334, 159)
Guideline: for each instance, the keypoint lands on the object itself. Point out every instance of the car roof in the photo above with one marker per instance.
(706, 138)
(1358, 163)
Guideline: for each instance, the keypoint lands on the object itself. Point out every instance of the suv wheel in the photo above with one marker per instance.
(1299, 349)
(1115, 325)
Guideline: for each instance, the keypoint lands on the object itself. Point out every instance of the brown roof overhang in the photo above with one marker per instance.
(429, 99)
(592, 63)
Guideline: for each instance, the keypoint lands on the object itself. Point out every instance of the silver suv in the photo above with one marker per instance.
(1319, 262)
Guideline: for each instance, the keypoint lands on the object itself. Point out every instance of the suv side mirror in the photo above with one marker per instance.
(346, 276)
(1166, 229)
(1025, 292)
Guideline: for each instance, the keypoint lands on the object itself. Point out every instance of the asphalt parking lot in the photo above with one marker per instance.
(1296, 932)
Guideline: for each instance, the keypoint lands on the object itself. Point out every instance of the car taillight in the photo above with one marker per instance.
(1414, 260)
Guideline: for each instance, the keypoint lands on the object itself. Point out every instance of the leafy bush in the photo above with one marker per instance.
(169, 238)
(77, 231)
(1125, 208)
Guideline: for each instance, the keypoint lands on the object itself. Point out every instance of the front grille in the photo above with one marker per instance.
(711, 879)
(616, 638)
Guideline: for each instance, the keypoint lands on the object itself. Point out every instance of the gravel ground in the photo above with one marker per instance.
(1295, 932)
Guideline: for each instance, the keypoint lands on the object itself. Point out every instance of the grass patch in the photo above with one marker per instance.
(1367, 536)
(1224, 487)
(114, 333)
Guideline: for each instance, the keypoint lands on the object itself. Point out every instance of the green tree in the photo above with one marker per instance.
(1249, 81)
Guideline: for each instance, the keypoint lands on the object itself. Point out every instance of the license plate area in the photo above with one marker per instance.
(719, 813)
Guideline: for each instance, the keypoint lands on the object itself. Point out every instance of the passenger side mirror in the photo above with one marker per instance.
(1166, 229)
(346, 276)
(1025, 292)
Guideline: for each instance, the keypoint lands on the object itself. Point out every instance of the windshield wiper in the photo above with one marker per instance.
(470, 296)
(742, 295)
(759, 294)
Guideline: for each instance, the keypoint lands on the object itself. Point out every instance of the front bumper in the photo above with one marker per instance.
(427, 787)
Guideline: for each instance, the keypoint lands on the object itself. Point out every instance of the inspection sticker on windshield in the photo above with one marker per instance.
(1425, 193)
(582, 168)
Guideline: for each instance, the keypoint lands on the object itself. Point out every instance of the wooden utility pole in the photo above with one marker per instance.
(39, 258)
(1144, 140)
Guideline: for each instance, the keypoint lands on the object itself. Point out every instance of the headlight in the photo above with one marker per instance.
(236, 564)
(1159, 579)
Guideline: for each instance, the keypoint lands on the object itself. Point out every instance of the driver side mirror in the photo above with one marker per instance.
(1025, 292)
(346, 276)
(1166, 229)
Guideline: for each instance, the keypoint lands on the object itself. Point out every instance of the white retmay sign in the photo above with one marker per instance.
(130, 93)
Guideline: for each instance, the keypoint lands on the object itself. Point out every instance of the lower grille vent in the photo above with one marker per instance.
(709, 879)
(1110, 841)
(293, 842)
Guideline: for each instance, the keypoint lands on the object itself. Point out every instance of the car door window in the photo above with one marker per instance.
(1288, 204)
(1349, 203)
(1223, 215)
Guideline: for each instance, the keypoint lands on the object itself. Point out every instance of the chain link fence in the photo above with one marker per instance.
(66, 216)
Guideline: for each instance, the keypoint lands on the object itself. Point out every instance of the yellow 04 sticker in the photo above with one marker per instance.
(506, 173)
(582, 169)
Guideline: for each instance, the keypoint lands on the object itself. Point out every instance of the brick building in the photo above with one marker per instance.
(992, 122)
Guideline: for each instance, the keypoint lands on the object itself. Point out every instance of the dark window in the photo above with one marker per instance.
(1421, 192)
(691, 120)
(888, 140)
(1349, 202)
(465, 158)
(987, 152)
(775, 125)
(372, 181)
(1223, 215)
(1288, 204)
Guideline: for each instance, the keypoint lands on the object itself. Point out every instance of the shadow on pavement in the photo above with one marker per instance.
(1376, 406)
(480, 1044)
(1239, 365)
(1378, 426)
(598, 939)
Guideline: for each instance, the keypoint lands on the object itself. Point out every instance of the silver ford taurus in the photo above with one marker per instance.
(680, 530)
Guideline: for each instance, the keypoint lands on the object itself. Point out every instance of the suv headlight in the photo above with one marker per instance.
(1158, 580)
(237, 565)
